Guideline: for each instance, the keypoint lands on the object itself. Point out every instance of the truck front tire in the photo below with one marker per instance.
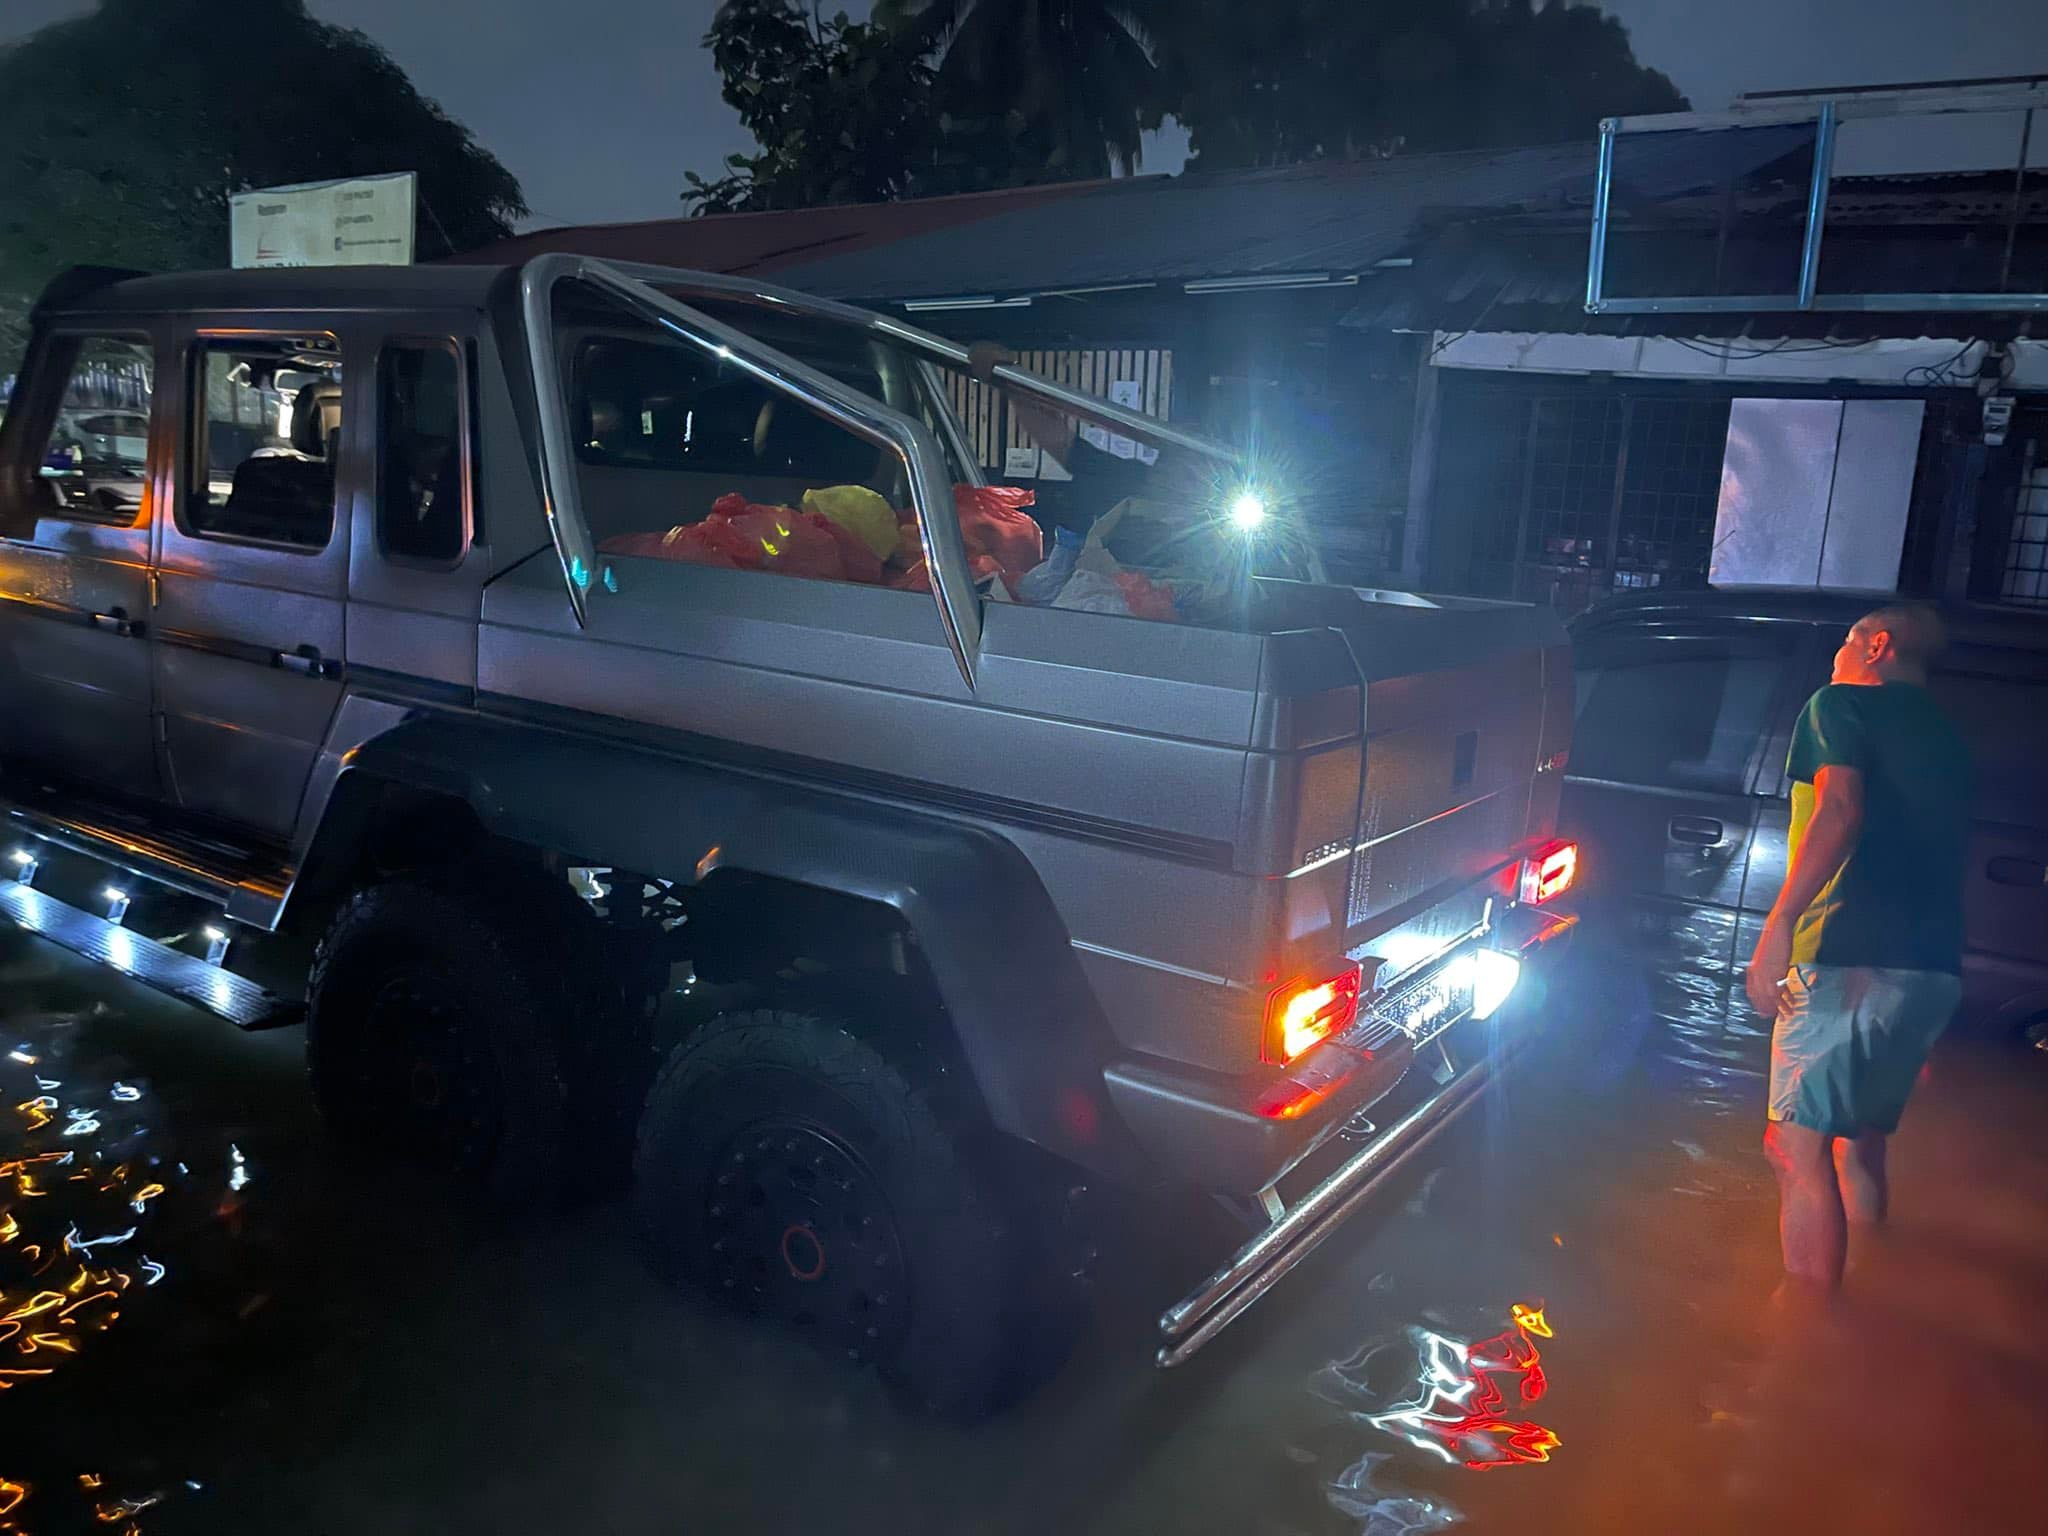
(791, 1170)
(430, 1034)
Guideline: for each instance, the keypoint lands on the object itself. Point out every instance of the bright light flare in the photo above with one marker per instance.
(1248, 512)
(1494, 974)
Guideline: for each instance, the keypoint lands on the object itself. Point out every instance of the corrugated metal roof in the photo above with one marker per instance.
(1329, 216)
(766, 242)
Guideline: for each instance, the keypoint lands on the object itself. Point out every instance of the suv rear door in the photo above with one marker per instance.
(248, 635)
(1667, 746)
(74, 561)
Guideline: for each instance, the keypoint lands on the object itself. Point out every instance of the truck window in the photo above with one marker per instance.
(94, 462)
(266, 419)
(420, 452)
(1676, 713)
(2000, 705)
(650, 405)
(685, 457)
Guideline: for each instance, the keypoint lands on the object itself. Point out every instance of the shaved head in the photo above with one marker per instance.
(1917, 635)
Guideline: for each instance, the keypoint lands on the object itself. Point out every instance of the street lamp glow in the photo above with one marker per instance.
(1247, 513)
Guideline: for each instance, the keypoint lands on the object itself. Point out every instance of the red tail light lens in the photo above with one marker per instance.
(1303, 1012)
(1549, 873)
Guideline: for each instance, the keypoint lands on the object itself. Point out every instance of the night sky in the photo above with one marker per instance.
(599, 109)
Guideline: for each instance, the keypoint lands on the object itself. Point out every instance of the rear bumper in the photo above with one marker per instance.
(1245, 1140)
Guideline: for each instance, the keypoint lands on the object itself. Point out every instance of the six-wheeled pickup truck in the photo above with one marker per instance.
(1000, 899)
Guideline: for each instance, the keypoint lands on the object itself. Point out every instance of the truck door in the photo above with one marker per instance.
(1666, 747)
(248, 626)
(74, 564)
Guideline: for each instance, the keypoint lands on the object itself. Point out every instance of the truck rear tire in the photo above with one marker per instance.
(430, 1034)
(791, 1170)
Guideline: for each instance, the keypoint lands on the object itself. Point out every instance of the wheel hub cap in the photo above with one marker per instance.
(800, 1230)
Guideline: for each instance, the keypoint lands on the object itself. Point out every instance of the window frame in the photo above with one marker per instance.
(1761, 639)
(465, 427)
(199, 345)
(42, 415)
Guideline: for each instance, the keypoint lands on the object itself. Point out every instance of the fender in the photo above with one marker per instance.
(1028, 1025)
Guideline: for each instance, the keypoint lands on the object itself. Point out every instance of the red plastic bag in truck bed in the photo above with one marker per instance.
(993, 522)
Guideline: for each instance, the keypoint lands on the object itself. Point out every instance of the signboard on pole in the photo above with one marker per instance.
(365, 221)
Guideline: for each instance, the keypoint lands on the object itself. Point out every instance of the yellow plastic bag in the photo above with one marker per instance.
(861, 512)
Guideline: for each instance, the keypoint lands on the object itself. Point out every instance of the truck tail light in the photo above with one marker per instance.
(1303, 1012)
(1549, 873)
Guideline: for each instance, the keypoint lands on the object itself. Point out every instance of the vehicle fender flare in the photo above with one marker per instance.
(1028, 1025)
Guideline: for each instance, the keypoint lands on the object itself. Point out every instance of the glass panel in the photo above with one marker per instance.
(1687, 722)
(93, 465)
(419, 502)
(268, 418)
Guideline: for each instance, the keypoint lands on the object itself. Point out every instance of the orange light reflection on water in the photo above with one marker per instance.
(1458, 1413)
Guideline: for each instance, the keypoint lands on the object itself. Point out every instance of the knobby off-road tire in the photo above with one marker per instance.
(464, 1022)
(791, 1170)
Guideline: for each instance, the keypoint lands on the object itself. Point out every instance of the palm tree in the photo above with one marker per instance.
(1070, 84)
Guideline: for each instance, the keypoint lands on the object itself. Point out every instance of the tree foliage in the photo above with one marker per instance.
(123, 133)
(843, 110)
(961, 95)
(1067, 88)
(1339, 78)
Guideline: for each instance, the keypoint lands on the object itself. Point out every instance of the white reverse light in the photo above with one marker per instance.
(1494, 975)
(1248, 512)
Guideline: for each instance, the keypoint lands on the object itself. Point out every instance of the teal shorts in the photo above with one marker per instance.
(1850, 1042)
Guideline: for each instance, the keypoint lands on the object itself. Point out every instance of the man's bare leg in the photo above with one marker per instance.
(1811, 1227)
(1859, 1170)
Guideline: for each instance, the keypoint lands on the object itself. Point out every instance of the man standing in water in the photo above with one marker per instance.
(1860, 959)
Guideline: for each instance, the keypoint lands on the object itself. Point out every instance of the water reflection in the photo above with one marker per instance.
(79, 1186)
(1443, 1395)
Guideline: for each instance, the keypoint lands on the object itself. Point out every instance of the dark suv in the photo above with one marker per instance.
(1677, 790)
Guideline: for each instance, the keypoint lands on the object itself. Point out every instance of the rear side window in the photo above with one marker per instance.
(2004, 719)
(95, 460)
(421, 454)
(266, 419)
(1674, 713)
(651, 405)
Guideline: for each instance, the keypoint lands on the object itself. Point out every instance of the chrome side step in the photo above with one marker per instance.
(252, 891)
(219, 991)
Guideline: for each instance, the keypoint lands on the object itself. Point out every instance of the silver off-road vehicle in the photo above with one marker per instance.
(976, 902)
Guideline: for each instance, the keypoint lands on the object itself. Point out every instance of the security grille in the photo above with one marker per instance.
(2026, 556)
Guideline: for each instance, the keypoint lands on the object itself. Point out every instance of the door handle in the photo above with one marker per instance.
(2006, 870)
(1700, 831)
(116, 621)
(305, 661)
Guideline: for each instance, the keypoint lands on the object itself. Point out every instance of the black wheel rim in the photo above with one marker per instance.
(439, 1086)
(799, 1230)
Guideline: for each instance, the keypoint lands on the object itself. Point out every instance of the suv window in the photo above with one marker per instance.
(266, 419)
(95, 459)
(1677, 712)
(420, 456)
(1999, 703)
(654, 405)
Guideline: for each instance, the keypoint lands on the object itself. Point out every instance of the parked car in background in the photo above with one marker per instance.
(95, 460)
(1677, 793)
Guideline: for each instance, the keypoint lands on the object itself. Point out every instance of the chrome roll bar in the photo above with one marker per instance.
(925, 466)
(932, 348)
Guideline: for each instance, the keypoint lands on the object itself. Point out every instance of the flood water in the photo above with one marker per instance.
(1560, 1322)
